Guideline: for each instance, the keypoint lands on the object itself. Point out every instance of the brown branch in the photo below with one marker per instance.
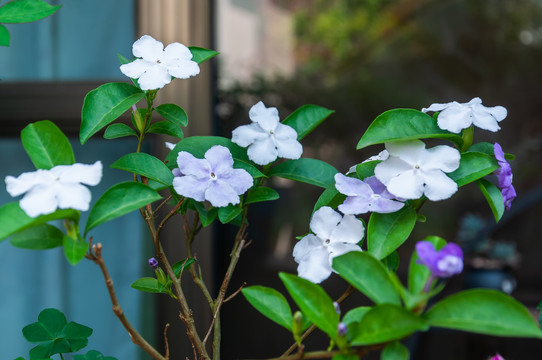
(235, 293)
(96, 256)
(166, 341)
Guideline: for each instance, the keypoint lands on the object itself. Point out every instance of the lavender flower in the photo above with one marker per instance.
(504, 176)
(212, 178)
(444, 263)
(365, 196)
(496, 357)
(342, 329)
(153, 263)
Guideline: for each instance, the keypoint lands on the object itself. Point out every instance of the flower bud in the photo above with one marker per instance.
(496, 357)
(337, 307)
(153, 263)
(342, 329)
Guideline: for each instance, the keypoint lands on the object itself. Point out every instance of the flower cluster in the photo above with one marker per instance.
(57, 188)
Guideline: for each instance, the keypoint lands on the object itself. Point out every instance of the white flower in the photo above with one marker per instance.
(455, 117)
(383, 155)
(59, 187)
(266, 137)
(412, 171)
(155, 65)
(334, 235)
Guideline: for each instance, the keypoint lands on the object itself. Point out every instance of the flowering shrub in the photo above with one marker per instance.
(217, 179)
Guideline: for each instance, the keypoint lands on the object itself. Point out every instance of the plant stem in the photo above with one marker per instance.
(96, 256)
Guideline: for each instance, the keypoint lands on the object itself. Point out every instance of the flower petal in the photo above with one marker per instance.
(355, 205)
(148, 48)
(314, 265)
(183, 69)
(79, 173)
(219, 193)
(385, 206)
(245, 135)
(324, 221)
(136, 68)
(455, 118)
(190, 165)
(262, 152)
(438, 186)
(191, 187)
(442, 157)
(407, 185)
(390, 168)
(156, 77)
(427, 254)
(16, 186)
(267, 118)
(349, 230)
(239, 179)
(40, 200)
(436, 107)
(485, 120)
(410, 151)
(304, 246)
(352, 186)
(285, 132)
(220, 159)
(289, 148)
(73, 196)
(175, 52)
(340, 248)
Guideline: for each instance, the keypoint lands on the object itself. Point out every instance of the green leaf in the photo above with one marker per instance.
(419, 274)
(40, 237)
(147, 284)
(50, 323)
(228, 213)
(387, 322)
(366, 169)
(46, 145)
(391, 262)
(93, 355)
(493, 196)
(251, 169)
(205, 216)
(314, 303)
(271, 304)
(386, 232)
(14, 219)
(330, 197)
(306, 118)
(395, 351)
(200, 54)
(173, 113)
(119, 200)
(355, 315)
(4, 36)
(182, 265)
(49, 348)
(404, 124)
(145, 165)
(310, 171)
(261, 193)
(24, 11)
(118, 130)
(484, 311)
(74, 250)
(104, 105)
(198, 145)
(166, 127)
(368, 275)
(345, 357)
(473, 166)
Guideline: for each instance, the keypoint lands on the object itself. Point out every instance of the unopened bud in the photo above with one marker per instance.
(342, 329)
(297, 326)
(337, 307)
(153, 263)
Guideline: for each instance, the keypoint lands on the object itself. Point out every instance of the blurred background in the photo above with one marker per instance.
(359, 58)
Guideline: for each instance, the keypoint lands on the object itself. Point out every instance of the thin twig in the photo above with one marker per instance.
(96, 256)
(161, 204)
(166, 342)
(235, 293)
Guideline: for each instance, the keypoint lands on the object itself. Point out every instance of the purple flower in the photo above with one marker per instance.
(496, 357)
(365, 196)
(153, 263)
(342, 329)
(444, 263)
(213, 178)
(504, 176)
